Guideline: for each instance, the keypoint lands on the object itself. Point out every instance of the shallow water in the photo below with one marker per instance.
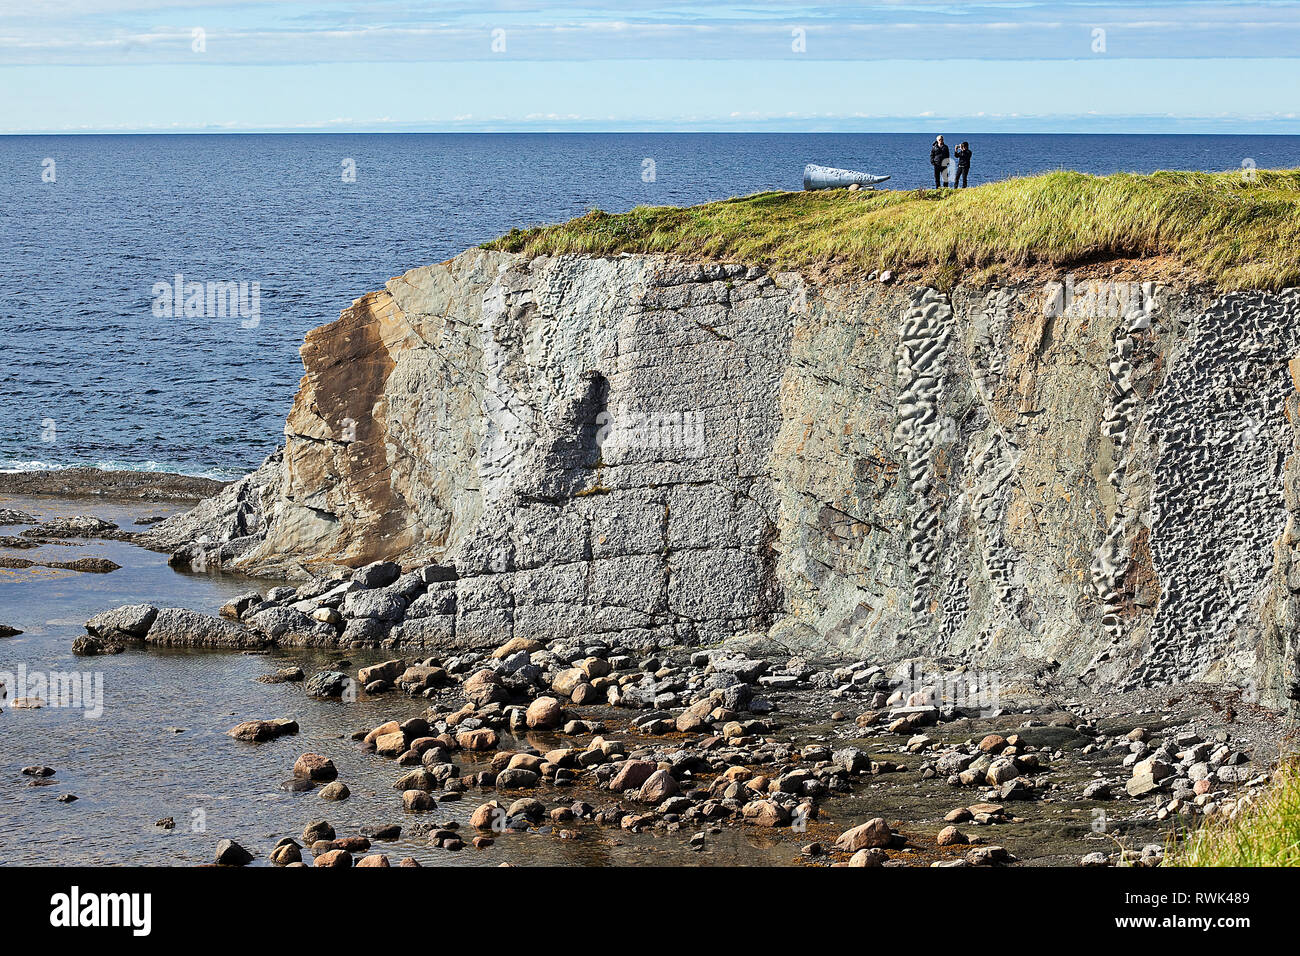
(159, 749)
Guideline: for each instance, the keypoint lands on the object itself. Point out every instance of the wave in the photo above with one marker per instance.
(216, 473)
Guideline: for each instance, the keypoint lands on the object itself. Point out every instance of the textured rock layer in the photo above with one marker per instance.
(1098, 489)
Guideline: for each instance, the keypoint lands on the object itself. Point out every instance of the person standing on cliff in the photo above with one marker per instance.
(939, 160)
(962, 154)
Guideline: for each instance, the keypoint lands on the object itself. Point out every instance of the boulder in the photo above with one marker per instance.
(258, 731)
(545, 713)
(482, 738)
(483, 688)
(380, 605)
(230, 853)
(874, 833)
(658, 787)
(128, 622)
(334, 858)
(181, 627)
(338, 790)
(314, 767)
(316, 831)
(632, 774)
(517, 780)
(328, 684)
(377, 575)
(387, 671)
(86, 645)
(766, 813)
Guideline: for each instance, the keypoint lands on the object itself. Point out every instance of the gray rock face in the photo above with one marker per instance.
(167, 627)
(289, 627)
(130, 621)
(652, 451)
(383, 605)
(181, 627)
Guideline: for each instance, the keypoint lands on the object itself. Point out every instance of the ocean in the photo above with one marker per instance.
(102, 364)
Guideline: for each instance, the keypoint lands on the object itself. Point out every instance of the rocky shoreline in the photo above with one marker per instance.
(98, 483)
(573, 738)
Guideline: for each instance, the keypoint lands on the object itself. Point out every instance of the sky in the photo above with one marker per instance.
(478, 65)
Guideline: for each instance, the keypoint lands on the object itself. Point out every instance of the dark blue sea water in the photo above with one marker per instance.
(90, 374)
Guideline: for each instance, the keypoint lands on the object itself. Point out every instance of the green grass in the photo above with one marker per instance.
(1265, 834)
(1215, 226)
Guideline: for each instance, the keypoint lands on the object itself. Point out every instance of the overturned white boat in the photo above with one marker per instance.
(828, 177)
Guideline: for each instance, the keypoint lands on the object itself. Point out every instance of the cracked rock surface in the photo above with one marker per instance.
(660, 453)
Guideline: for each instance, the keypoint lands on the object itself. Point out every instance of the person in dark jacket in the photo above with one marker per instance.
(962, 154)
(939, 160)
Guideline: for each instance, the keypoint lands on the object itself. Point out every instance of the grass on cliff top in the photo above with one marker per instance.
(1218, 226)
(1265, 834)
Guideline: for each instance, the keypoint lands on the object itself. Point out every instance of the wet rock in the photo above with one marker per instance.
(314, 767)
(387, 671)
(85, 565)
(483, 738)
(328, 684)
(487, 816)
(8, 631)
(181, 627)
(90, 646)
(417, 801)
(230, 853)
(286, 853)
(78, 526)
(262, 730)
(420, 779)
(632, 774)
(317, 831)
(517, 779)
(373, 860)
(335, 858)
(38, 771)
(338, 790)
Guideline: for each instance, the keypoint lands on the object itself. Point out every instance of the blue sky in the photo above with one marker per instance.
(159, 65)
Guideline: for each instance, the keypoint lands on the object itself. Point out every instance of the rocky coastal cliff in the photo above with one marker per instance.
(1093, 485)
